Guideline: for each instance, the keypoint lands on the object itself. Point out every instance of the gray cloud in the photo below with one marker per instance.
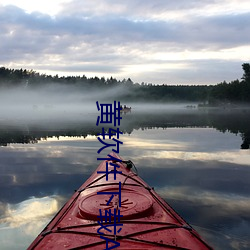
(224, 31)
(132, 8)
(205, 30)
(108, 39)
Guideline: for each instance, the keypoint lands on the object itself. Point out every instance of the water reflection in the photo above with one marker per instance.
(20, 222)
(31, 131)
(195, 166)
(29, 210)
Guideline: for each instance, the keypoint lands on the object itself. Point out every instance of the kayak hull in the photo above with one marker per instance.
(146, 221)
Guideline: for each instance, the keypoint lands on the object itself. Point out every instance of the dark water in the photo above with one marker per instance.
(194, 159)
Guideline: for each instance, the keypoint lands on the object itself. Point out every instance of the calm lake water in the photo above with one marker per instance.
(197, 160)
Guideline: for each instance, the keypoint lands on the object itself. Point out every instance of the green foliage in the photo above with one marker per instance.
(246, 75)
(234, 92)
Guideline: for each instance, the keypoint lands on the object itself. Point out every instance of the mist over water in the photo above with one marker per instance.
(61, 102)
(51, 102)
(59, 107)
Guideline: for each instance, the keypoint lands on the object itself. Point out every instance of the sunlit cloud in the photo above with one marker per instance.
(45, 6)
(188, 56)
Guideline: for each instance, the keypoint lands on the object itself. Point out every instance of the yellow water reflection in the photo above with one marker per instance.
(29, 212)
(69, 138)
(235, 156)
(22, 222)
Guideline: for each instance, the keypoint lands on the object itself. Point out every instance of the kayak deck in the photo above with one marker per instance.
(146, 221)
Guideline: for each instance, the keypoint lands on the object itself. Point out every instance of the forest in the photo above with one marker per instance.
(224, 93)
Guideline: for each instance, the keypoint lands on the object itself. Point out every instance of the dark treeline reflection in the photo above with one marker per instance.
(234, 121)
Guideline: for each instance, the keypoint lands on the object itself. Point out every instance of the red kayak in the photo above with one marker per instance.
(115, 208)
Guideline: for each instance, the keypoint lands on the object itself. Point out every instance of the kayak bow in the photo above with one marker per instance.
(146, 221)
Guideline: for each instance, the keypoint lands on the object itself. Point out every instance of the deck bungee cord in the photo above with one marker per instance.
(148, 221)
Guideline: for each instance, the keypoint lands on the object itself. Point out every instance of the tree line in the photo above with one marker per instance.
(236, 91)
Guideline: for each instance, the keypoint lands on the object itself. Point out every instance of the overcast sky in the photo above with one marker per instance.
(154, 41)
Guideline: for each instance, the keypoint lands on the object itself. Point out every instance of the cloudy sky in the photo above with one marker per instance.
(154, 41)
